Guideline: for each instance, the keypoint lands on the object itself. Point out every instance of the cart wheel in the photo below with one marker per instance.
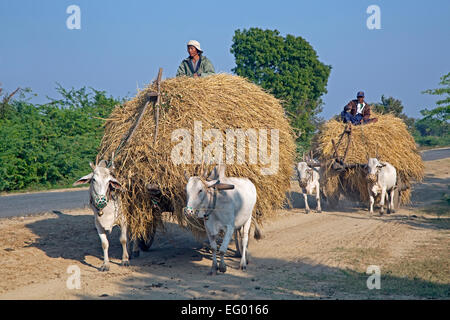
(397, 195)
(145, 245)
(332, 202)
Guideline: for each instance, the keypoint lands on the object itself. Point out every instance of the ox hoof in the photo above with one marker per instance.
(306, 211)
(104, 267)
(243, 267)
(135, 254)
(223, 268)
(125, 263)
(212, 272)
(319, 211)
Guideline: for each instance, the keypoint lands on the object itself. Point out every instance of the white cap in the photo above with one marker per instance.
(195, 43)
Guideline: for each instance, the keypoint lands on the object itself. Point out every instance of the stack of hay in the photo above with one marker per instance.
(389, 138)
(219, 101)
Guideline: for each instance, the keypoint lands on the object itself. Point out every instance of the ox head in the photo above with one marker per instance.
(373, 167)
(304, 172)
(102, 183)
(200, 192)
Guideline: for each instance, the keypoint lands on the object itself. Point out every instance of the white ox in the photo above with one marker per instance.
(225, 204)
(381, 178)
(308, 179)
(106, 207)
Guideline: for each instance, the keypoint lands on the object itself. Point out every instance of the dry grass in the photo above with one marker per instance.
(388, 138)
(221, 101)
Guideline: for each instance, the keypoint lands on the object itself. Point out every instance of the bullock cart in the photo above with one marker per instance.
(344, 149)
(185, 126)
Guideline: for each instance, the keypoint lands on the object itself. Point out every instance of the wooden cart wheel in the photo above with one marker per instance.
(145, 245)
(332, 202)
(397, 195)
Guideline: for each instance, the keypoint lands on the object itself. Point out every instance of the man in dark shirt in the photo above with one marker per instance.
(357, 111)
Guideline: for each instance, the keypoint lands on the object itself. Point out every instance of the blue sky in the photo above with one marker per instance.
(121, 44)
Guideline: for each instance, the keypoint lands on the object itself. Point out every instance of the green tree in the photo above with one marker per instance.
(434, 125)
(289, 68)
(394, 106)
(50, 145)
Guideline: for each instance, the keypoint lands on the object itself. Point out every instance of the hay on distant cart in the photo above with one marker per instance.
(219, 101)
(388, 137)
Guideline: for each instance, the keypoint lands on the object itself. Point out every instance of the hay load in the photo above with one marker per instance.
(189, 107)
(388, 138)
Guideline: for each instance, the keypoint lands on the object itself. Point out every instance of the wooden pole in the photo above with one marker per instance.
(158, 101)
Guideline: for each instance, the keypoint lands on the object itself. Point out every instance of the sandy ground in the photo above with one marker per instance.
(318, 256)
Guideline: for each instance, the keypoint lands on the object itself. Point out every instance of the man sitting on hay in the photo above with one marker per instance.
(357, 111)
(196, 65)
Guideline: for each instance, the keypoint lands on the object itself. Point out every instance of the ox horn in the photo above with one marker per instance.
(112, 161)
(186, 175)
(222, 168)
(102, 163)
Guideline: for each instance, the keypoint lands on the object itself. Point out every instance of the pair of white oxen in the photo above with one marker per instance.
(224, 203)
(381, 179)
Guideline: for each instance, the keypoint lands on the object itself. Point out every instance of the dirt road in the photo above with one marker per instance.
(319, 256)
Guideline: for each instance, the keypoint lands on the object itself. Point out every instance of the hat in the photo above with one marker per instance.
(360, 94)
(195, 43)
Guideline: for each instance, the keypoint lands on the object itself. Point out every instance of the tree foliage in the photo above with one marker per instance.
(433, 128)
(51, 144)
(289, 68)
(394, 106)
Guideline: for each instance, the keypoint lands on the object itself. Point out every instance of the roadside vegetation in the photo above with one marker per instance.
(47, 146)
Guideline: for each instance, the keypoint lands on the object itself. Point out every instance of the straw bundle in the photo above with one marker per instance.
(220, 101)
(388, 138)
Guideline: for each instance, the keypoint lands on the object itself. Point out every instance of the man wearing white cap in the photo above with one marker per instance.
(196, 65)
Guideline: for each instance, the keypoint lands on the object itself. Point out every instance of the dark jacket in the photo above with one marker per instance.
(352, 106)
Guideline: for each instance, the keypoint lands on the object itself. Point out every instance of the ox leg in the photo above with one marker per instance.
(105, 246)
(383, 196)
(371, 201)
(213, 245)
(123, 240)
(237, 242)
(305, 196)
(244, 258)
(319, 208)
(392, 206)
(224, 248)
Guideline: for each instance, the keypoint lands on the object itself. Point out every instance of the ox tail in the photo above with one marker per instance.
(258, 234)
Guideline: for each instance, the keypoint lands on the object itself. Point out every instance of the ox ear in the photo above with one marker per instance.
(83, 180)
(381, 164)
(114, 184)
